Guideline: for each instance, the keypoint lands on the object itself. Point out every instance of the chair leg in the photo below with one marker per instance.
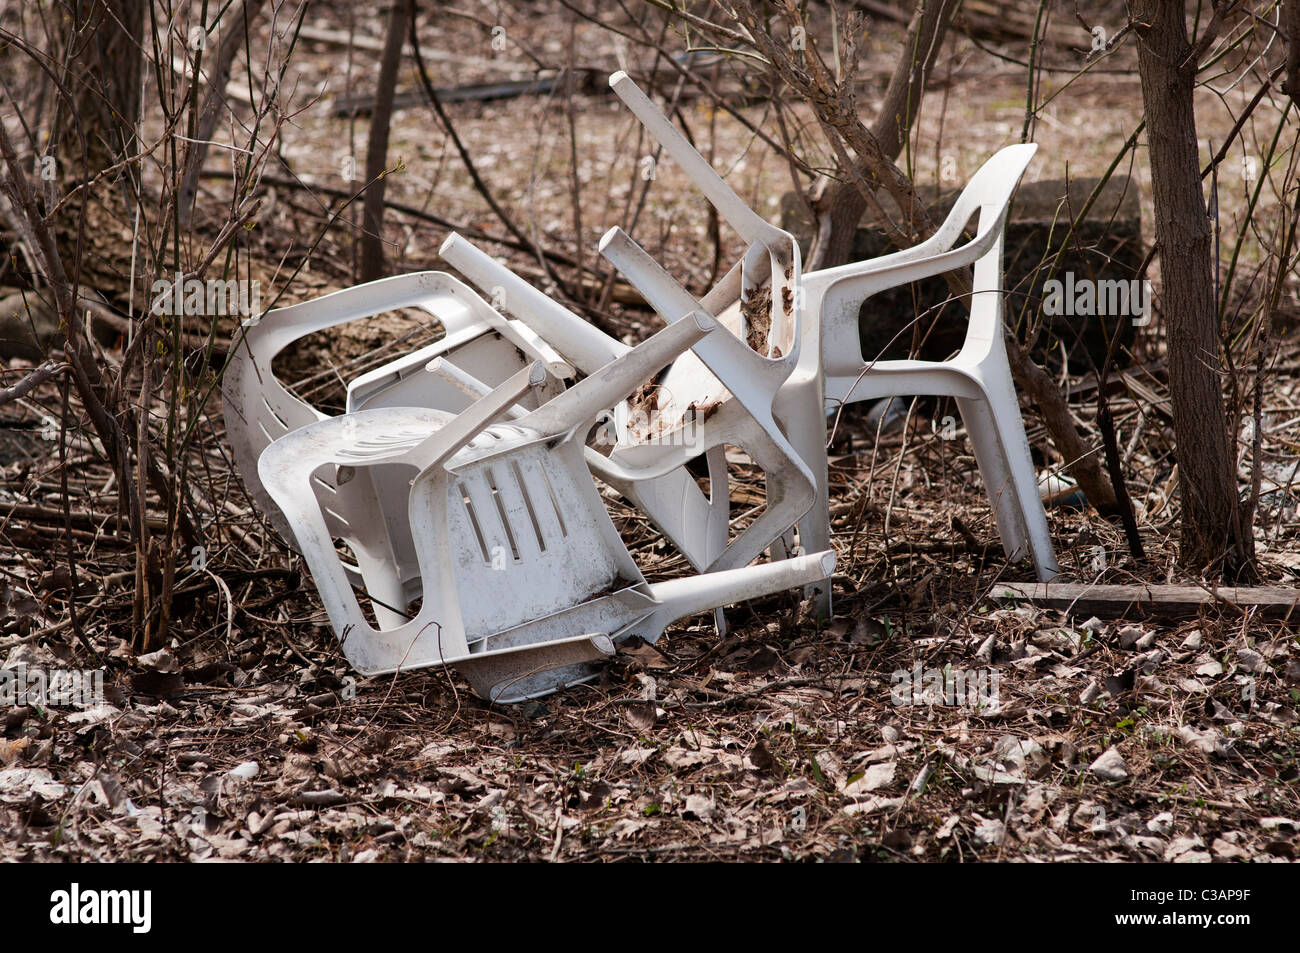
(719, 500)
(997, 434)
(789, 496)
(719, 518)
(581, 342)
(697, 525)
(386, 592)
(683, 597)
(674, 502)
(804, 420)
(291, 491)
(995, 471)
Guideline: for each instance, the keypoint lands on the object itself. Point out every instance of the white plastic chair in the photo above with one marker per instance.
(672, 501)
(526, 581)
(258, 409)
(719, 395)
(979, 377)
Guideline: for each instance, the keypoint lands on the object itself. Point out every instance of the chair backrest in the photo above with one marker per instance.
(507, 522)
(528, 520)
(484, 357)
(522, 514)
(259, 409)
(835, 295)
(510, 532)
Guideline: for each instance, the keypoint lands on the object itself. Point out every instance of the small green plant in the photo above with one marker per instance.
(817, 772)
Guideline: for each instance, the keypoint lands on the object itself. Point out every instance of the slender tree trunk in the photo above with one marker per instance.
(1213, 535)
(1291, 27)
(233, 32)
(372, 219)
(93, 129)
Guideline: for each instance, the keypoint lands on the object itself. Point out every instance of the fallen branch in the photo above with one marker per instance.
(33, 380)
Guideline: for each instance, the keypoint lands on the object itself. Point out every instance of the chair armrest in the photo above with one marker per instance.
(618, 379)
(275, 330)
(988, 193)
(864, 278)
(442, 445)
(584, 345)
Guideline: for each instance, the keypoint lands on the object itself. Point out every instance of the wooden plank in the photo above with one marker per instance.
(1175, 602)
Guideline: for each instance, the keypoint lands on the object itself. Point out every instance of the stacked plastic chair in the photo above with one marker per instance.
(829, 368)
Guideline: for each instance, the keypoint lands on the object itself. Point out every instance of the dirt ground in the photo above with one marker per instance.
(248, 737)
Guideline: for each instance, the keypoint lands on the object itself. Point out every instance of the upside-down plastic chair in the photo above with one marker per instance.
(526, 581)
(979, 376)
(720, 395)
(258, 409)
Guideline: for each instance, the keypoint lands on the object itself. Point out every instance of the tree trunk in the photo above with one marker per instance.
(102, 51)
(372, 219)
(1213, 535)
(233, 33)
(1291, 28)
(93, 129)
